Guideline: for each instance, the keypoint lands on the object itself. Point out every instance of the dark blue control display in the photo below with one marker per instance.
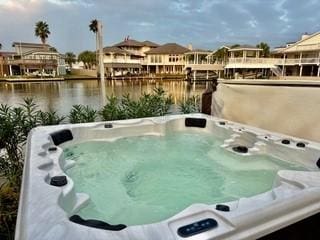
(197, 227)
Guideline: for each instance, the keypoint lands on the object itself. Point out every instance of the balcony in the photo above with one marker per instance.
(32, 62)
(205, 66)
(274, 61)
(269, 62)
(123, 61)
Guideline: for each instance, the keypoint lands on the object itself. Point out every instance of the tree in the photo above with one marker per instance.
(93, 27)
(0, 46)
(53, 49)
(70, 58)
(265, 49)
(42, 31)
(221, 54)
(235, 45)
(88, 58)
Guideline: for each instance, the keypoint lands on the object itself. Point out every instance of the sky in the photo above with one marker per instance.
(205, 24)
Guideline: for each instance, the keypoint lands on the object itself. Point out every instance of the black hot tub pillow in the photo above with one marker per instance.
(96, 223)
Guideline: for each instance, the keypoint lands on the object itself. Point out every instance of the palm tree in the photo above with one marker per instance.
(70, 58)
(93, 27)
(42, 31)
(265, 49)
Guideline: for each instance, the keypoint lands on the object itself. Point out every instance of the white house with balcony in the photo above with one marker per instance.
(245, 61)
(135, 47)
(31, 58)
(301, 58)
(166, 59)
(202, 64)
(127, 57)
(119, 62)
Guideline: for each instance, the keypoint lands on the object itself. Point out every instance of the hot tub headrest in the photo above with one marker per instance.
(96, 223)
(318, 163)
(61, 136)
(196, 122)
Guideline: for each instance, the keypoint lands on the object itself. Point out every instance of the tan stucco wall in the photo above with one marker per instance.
(291, 110)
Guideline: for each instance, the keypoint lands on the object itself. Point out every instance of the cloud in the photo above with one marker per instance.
(204, 23)
(19, 5)
(72, 2)
(142, 24)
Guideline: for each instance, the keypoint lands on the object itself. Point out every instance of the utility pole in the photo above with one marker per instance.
(101, 64)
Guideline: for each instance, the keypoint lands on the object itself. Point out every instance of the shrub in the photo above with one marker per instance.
(9, 199)
(191, 105)
(82, 114)
(148, 105)
(112, 110)
(15, 125)
(50, 118)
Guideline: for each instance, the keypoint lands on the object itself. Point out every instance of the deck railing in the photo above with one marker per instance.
(122, 60)
(31, 62)
(274, 61)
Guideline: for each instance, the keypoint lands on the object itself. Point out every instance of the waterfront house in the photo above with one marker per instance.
(33, 58)
(127, 57)
(301, 58)
(246, 61)
(201, 64)
(166, 59)
(121, 62)
(135, 47)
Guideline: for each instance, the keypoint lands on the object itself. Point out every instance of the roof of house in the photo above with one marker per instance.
(44, 50)
(6, 54)
(197, 50)
(32, 45)
(169, 48)
(117, 50)
(129, 43)
(135, 43)
(293, 47)
(245, 47)
(150, 44)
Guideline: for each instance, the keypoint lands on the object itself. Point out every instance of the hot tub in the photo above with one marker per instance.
(174, 177)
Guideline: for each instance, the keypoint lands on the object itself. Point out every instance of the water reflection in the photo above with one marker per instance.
(62, 95)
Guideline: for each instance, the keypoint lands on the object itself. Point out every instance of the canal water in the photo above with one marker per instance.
(60, 96)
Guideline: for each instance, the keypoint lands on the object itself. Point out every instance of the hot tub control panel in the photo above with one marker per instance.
(197, 227)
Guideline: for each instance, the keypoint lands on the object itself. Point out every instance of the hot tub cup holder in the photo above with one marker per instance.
(223, 208)
(58, 181)
(301, 145)
(285, 141)
(108, 125)
(240, 149)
